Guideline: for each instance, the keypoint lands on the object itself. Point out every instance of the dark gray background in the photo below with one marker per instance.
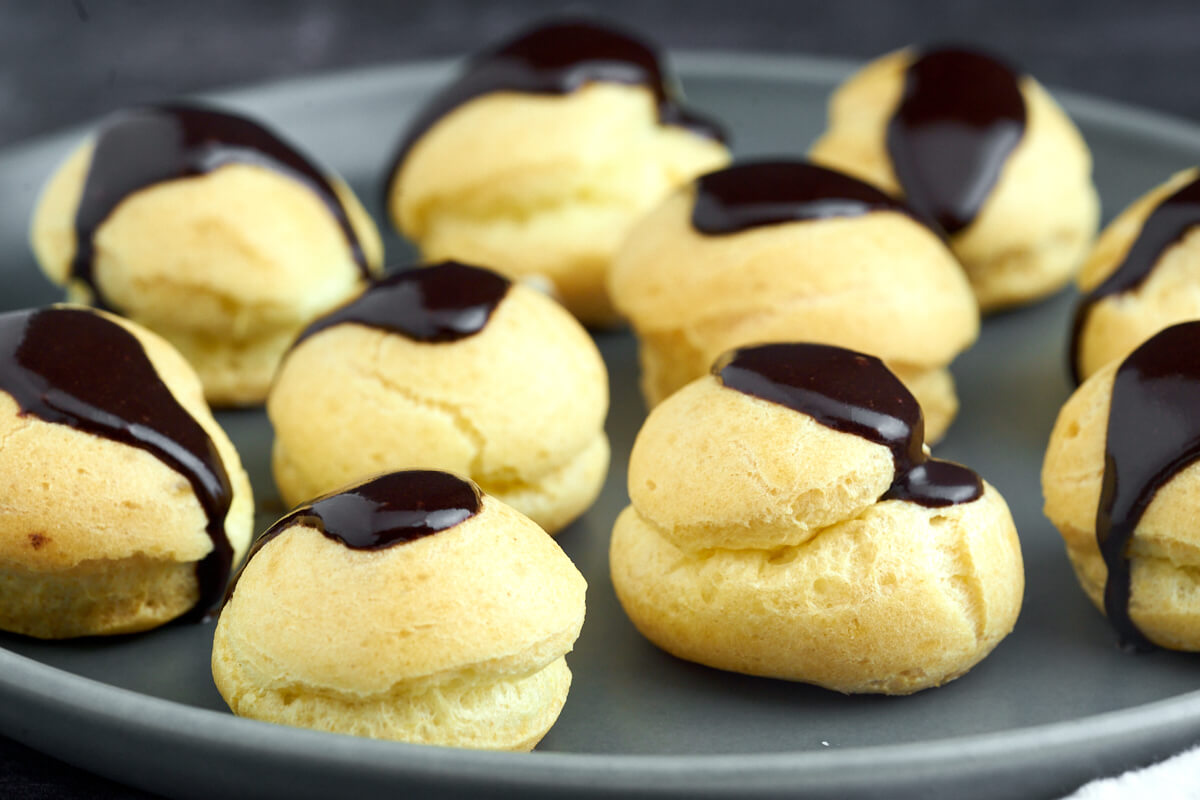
(64, 62)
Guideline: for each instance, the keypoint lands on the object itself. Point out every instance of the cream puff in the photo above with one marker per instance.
(789, 251)
(1142, 276)
(981, 149)
(1122, 482)
(787, 521)
(210, 230)
(409, 607)
(542, 154)
(446, 367)
(123, 504)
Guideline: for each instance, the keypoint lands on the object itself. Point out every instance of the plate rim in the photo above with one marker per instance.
(29, 686)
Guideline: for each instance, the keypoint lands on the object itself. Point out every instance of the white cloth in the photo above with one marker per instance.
(1177, 778)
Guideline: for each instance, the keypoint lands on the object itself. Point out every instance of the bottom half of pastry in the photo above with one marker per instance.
(96, 598)
(899, 599)
(1164, 587)
(1012, 273)
(475, 709)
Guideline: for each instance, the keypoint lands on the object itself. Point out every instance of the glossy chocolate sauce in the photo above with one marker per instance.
(754, 194)
(1165, 226)
(384, 511)
(440, 303)
(1153, 434)
(559, 58)
(73, 367)
(852, 393)
(144, 146)
(960, 118)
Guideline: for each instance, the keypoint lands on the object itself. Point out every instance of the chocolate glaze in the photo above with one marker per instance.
(559, 58)
(440, 303)
(145, 146)
(73, 367)
(1165, 226)
(759, 193)
(960, 118)
(384, 511)
(1153, 434)
(852, 393)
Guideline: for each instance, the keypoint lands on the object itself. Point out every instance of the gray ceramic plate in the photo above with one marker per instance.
(1055, 705)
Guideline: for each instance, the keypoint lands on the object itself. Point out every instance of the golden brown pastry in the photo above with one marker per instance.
(542, 154)
(786, 521)
(208, 229)
(1134, 542)
(789, 251)
(447, 367)
(1142, 276)
(123, 504)
(408, 607)
(981, 149)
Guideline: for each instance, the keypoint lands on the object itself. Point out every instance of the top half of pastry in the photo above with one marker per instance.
(980, 148)
(569, 111)
(503, 364)
(190, 217)
(108, 450)
(782, 441)
(787, 251)
(1142, 276)
(419, 574)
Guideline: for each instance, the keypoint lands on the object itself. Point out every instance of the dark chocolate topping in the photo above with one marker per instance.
(384, 511)
(559, 58)
(1165, 226)
(960, 118)
(1153, 434)
(74, 367)
(852, 393)
(145, 146)
(440, 303)
(760, 193)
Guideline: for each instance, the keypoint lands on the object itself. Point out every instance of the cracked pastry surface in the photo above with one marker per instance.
(1021, 237)
(539, 158)
(760, 540)
(103, 532)
(517, 404)
(1142, 276)
(451, 632)
(1133, 543)
(844, 265)
(209, 230)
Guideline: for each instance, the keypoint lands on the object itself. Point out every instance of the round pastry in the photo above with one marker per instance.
(1142, 276)
(789, 251)
(982, 150)
(786, 521)
(1121, 482)
(456, 610)
(542, 154)
(123, 504)
(447, 367)
(209, 230)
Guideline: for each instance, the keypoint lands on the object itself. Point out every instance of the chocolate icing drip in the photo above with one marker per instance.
(145, 146)
(1165, 226)
(384, 511)
(73, 367)
(852, 393)
(559, 58)
(760, 193)
(1153, 434)
(440, 303)
(960, 118)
